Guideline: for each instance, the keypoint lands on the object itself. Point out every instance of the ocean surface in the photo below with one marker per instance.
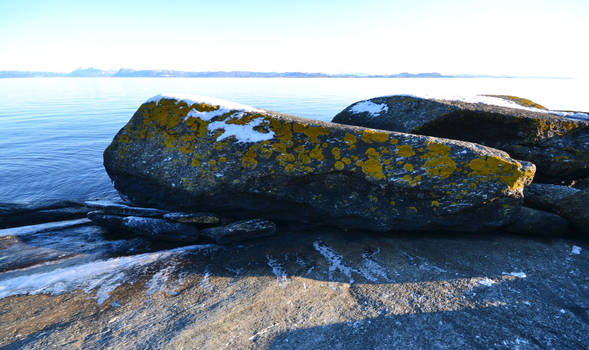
(53, 130)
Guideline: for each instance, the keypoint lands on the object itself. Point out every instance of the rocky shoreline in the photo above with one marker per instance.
(247, 228)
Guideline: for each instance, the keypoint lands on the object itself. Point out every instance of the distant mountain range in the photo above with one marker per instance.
(131, 73)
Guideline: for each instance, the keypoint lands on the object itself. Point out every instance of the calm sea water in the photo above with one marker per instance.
(53, 130)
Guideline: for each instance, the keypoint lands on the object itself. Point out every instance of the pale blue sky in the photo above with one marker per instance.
(488, 37)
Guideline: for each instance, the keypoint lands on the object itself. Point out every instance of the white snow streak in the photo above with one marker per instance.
(486, 282)
(159, 281)
(334, 260)
(515, 274)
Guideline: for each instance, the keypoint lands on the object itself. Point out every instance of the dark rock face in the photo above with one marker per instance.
(242, 163)
(539, 223)
(558, 146)
(152, 228)
(240, 231)
(12, 215)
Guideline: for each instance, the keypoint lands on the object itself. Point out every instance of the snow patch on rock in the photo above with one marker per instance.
(243, 133)
(369, 107)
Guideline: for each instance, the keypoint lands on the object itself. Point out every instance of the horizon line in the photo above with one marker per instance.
(92, 72)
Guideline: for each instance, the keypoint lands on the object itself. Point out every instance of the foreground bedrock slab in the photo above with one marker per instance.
(190, 155)
(556, 142)
(323, 290)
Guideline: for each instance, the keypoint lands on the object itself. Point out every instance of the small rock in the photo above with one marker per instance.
(112, 222)
(161, 229)
(193, 218)
(240, 231)
(38, 228)
(152, 228)
(575, 208)
(538, 223)
(545, 196)
(125, 210)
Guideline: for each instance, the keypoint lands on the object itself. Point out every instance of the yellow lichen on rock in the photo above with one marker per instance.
(370, 136)
(437, 160)
(317, 153)
(336, 153)
(405, 151)
(312, 132)
(249, 160)
(350, 140)
(509, 172)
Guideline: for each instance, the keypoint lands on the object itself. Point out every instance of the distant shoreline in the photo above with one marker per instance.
(130, 73)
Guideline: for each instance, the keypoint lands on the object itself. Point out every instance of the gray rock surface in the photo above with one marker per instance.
(152, 228)
(558, 146)
(312, 290)
(242, 163)
(570, 203)
(13, 214)
(539, 223)
(546, 196)
(240, 231)
(575, 208)
(121, 209)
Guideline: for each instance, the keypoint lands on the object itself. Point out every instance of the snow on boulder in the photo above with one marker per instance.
(195, 153)
(556, 141)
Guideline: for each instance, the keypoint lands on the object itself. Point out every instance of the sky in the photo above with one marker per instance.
(541, 38)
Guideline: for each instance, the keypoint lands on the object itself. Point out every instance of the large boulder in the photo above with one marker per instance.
(198, 154)
(557, 142)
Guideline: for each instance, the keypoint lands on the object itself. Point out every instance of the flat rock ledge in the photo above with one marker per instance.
(179, 227)
(191, 155)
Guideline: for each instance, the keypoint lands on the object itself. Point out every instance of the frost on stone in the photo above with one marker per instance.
(334, 260)
(102, 276)
(159, 281)
(278, 270)
(486, 282)
(369, 107)
(515, 274)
